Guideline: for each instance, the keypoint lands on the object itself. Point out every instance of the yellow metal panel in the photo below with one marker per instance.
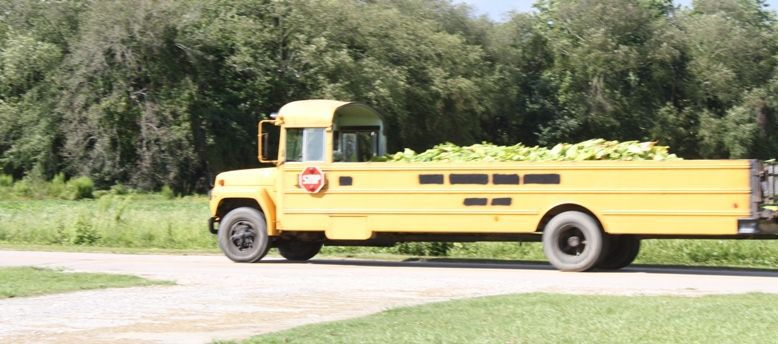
(674, 224)
(348, 228)
(256, 184)
(453, 223)
(702, 197)
(250, 177)
(309, 113)
(269, 209)
(320, 112)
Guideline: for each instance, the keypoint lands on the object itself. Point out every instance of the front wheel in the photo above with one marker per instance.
(243, 235)
(298, 250)
(573, 241)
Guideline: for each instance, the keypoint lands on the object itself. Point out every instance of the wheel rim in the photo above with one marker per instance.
(243, 236)
(571, 241)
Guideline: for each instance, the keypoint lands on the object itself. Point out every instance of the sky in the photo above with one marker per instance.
(496, 9)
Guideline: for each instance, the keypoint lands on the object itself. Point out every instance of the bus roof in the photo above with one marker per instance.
(321, 112)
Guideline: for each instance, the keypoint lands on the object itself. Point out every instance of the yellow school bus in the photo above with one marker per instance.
(324, 190)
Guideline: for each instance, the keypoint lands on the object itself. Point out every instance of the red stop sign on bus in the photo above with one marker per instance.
(312, 179)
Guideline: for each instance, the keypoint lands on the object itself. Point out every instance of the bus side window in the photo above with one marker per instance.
(366, 143)
(354, 145)
(349, 147)
(304, 144)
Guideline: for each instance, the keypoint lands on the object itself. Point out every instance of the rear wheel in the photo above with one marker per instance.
(622, 252)
(243, 235)
(298, 250)
(573, 241)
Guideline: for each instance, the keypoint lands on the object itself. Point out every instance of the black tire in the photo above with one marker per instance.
(623, 250)
(573, 241)
(298, 250)
(243, 235)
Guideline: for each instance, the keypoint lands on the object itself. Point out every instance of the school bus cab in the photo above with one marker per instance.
(324, 190)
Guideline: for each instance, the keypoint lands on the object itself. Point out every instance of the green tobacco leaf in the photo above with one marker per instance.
(596, 149)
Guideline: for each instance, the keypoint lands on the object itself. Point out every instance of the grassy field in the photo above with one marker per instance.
(551, 318)
(105, 249)
(128, 221)
(28, 281)
(161, 224)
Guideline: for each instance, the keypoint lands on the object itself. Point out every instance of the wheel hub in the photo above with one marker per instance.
(243, 236)
(572, 241)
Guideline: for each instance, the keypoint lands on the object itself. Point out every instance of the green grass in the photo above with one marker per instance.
(125, 221)
(551, 318)
(737, 253)
(28, 281)
(99, 249)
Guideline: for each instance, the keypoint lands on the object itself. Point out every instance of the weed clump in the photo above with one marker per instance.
(6, 180)
(167, 192)
(85, 233)
(79, 188)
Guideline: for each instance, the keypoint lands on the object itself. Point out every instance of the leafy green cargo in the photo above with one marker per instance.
(596, 149)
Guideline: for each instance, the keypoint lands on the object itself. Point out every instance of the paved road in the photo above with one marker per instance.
(217, 299)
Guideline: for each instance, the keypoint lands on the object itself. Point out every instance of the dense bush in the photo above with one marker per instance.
(78, 188)
(73, 189)
(167, 192)
(85, 233)
(6, 180)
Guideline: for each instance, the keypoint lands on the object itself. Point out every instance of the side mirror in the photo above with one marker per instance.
(267, 139)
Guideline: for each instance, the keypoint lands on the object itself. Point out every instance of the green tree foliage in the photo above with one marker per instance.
(153, 93)
(610, 71)
(517, 94)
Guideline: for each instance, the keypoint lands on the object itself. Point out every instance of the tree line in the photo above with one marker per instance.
(160, 92)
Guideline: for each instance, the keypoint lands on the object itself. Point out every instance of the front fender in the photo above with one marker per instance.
(245, 187)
